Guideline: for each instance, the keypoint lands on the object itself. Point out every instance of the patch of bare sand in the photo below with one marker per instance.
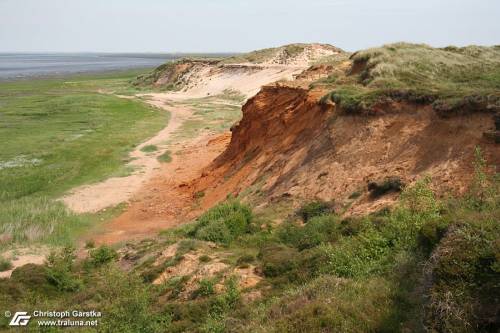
(168, 198)
(24, 256)
(244, 78)
(113, 191)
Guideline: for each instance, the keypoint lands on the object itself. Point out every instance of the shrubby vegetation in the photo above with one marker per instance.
(427, 264)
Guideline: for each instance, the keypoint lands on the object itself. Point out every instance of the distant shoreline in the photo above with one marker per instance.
(22, 66)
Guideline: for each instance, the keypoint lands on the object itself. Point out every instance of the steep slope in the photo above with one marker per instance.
(296, 140)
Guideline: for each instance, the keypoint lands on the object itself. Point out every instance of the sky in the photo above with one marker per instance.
(240, 25)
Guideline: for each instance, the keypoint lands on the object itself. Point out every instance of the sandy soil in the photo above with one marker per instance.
(168, 198)
(113, 191)
(24, 256)
(245, 78)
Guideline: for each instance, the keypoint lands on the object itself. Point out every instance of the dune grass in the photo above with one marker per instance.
(57, 134)
(451, 79)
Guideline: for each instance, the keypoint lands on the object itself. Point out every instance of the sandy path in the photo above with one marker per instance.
(168, 198)
(113, 191)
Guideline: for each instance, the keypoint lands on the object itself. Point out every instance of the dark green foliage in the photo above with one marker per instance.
(102, 255)
(223, 223)
(277, 260)
(319, 229)
(5, 264)
(314, 208)
(126, 305)
(391, 184)
(59, 270)
(431, 234)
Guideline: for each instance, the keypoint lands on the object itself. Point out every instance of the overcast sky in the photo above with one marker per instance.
(240, 25)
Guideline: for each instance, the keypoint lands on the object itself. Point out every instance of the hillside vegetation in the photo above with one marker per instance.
(452, 79)
(362, 196)
(426, 264)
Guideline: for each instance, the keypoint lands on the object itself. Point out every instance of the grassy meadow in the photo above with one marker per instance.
(57, 134)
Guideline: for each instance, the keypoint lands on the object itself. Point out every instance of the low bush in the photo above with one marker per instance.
(314, 208)
(223, 223)
(102, 255)
(205, 288)
(59, 270)
(319, 229)
(5, 264)
(391, 184)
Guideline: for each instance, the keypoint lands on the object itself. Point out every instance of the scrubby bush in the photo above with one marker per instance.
(205, 288)
(314, 208)
(102, 255)
(5, 264)
(391, 184)
(244, 260)
(59, 270)
(318, 230)
(223, 223)
(277, 259)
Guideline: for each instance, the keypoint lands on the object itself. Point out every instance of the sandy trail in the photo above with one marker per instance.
(113, 191)
(168, 198)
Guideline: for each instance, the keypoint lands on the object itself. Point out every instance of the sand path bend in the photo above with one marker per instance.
(113, 191)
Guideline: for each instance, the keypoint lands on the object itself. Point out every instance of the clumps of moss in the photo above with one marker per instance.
(223, 223)
(388, 185)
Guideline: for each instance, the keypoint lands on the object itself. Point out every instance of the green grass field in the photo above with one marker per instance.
(57, 134)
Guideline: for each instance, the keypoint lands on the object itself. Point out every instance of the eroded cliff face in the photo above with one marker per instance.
(291, 145)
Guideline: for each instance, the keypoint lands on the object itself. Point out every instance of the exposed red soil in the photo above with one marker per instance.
(168, 198)
(290, 145)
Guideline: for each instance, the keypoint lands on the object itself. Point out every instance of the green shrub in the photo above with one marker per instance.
(277, 260)
(319, 229)
(127, 304)
(223, 223)
(102, 255)
(5, 264)
(314, 208)
(59, 270)
(205, 288)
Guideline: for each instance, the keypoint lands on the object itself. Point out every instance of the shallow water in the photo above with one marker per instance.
(19, 66)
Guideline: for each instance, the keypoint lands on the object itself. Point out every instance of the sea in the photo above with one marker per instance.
(38, 65)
